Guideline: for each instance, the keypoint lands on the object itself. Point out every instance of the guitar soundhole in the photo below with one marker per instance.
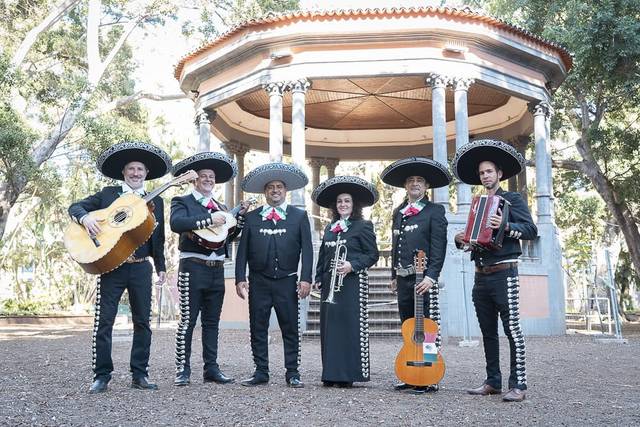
(120, 217)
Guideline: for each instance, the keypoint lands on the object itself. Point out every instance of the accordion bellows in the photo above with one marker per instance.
(478, 233)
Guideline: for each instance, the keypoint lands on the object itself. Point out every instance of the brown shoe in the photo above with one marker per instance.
(484, 390)
(514, 395)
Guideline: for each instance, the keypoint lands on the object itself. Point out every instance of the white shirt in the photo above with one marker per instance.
(139, 191)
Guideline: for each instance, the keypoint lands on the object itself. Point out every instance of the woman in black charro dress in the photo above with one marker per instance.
(344, 324)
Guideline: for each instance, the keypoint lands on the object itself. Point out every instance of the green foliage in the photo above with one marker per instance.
(12, 307)
(15, 144)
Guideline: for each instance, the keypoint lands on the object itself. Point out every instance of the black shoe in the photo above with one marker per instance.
(402, 386)
(218, 377)
(98, 386)
(328, 383)
(181, 380)
(143, 384)
(294, 382)
(254, 381)
(425, 389)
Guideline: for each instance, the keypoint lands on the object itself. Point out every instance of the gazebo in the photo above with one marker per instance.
(383, 84)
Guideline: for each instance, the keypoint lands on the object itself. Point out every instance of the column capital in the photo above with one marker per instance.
(541, 108)
(237, 148)
(299, 86)
(331, 163)
(316, 162)
(204, 117)
(462, 83)
(437, 80)
(275, 88)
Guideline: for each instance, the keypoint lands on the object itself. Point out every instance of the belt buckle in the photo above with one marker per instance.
(404, 272)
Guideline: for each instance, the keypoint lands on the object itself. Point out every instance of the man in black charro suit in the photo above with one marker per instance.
(133, 163)
(201, 270)
(418, 224)
(274, 239)
(496, 288)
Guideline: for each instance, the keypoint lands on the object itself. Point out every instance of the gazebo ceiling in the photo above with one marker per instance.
(372, 103)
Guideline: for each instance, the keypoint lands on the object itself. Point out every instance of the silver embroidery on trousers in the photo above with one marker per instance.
(363, 289)
(185, 318)
(96, 324)
(513, 297)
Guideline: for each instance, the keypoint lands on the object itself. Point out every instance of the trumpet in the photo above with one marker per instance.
(336, 278)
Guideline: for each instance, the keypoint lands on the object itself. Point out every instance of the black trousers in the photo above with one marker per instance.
(282, 295)
(498, 294)
(406, 287)
(136, 279)
(201, 292)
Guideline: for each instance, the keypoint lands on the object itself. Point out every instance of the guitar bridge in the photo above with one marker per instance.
(418, 363)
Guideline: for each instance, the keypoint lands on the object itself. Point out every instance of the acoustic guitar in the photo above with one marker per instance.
(213, 237)
(125, 226)
(419, 362)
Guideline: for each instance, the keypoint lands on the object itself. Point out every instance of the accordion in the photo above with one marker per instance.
(478, 234)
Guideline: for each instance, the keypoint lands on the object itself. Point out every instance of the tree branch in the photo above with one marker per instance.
(119, 103)
(54, 16)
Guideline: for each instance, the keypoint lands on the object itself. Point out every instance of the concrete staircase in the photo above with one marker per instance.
(383, 319)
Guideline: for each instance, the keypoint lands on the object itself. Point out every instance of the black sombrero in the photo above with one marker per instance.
(469, 156)
(435, 173)
(363, 191)
(113, 160)
(292, 176)
(222, 165)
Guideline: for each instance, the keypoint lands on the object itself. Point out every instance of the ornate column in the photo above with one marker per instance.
(203, 122)
(276, 91)
(316, 164)
(439, 125)
(543, 161)
(239, 150)
(521, 143)
(229, 186)
(547, 126)
(331, 165)
(298, 90)
(461, 88)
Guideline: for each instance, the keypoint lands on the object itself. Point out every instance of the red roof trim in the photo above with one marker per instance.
(403, 11)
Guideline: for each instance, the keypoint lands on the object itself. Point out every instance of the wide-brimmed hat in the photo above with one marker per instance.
(292, 177)
(113, 160)
(360, 190)
(435, 173)
(469, 156)
(222, 165)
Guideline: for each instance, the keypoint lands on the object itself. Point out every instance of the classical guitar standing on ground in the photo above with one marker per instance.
(419, 362)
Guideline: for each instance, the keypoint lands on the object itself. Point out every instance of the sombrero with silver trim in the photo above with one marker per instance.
(222, 165)
(435, 173)
(113, 160)
(363, 191)
(291, 175)
(469, 156)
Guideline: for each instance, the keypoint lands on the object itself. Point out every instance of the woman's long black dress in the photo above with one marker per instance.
(344, 326)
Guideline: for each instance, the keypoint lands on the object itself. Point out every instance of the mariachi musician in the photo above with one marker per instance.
(348, 249)
(496, 287)
(132, 163)
(201, 269)
(275, 238)
(418, 224)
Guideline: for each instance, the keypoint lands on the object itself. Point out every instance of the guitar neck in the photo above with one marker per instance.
(419, 311)
(185, 177)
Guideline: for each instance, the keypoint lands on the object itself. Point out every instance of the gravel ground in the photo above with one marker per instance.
(44, 377)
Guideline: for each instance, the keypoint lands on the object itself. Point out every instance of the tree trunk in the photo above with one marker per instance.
(619, 209)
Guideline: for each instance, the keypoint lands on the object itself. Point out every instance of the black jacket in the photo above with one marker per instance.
(521, 227)
(360, 241)
(108, 195)
(274, 249)
(187, 214)
(426, 231)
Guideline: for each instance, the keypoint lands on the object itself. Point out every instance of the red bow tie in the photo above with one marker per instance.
(211, 205)
(274, 215)
(337, 229)
(411, 211)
